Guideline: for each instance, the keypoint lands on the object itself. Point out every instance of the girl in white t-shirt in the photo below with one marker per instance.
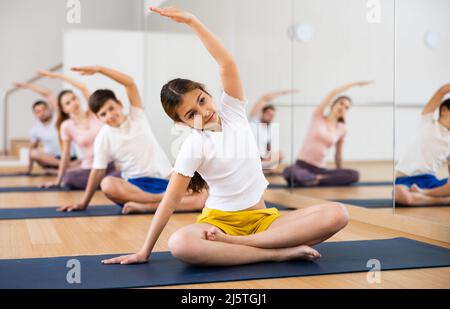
(235, 226)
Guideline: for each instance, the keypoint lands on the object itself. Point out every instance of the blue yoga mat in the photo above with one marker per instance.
(356, 184)
(380, 203)
(35, 189)
(164, 269)
(26, 175)
(92, 211)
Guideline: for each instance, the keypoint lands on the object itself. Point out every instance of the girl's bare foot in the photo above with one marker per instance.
(134, 208)
(302, 252)
(216, 234)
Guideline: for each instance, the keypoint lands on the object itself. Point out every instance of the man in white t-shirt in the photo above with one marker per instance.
(44, 132)
(261, 117)
(416, 182)
(129, 141)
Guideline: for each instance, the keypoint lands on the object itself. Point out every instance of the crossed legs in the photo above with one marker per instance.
(288, 237)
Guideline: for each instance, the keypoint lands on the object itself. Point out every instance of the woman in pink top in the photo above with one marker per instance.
(325, 131)
(77, 126)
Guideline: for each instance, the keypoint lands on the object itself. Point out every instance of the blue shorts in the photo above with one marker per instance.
(149, 185)
(423, 181)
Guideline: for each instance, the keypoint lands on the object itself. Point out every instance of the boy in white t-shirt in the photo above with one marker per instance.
(416, 182)
(221, 153)
(129, 141)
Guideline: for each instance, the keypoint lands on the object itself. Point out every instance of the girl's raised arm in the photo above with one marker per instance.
(229, 72)
(76, 83)
(329, 98)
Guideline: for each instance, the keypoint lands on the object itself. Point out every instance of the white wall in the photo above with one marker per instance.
(31, 39)
(121, 50)
(421, 70)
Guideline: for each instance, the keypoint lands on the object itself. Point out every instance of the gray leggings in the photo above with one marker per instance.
(78, 179)
(305, 175)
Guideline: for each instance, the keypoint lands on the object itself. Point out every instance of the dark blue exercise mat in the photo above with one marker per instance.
(356, 184)
(92, 211)
(23, 174)
(380, 203)
(164, 269)
(35, 189)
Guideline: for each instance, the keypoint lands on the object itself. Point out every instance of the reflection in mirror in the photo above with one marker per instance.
(422, 144)
(343, 111)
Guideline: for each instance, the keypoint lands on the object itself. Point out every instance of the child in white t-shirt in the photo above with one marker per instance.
(129, 141)
(416, 182)
(221, 153)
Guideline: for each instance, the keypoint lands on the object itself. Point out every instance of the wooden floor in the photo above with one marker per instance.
(28, 238)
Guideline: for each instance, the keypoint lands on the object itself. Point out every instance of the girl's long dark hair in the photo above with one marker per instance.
(61, 114)
(171, 97)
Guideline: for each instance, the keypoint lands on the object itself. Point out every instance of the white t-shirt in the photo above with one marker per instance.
(48, 136)
(133, 146)
(228, 160)
(429, 151)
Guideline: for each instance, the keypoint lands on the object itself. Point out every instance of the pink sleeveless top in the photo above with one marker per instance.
(319, 139)
(83, 138)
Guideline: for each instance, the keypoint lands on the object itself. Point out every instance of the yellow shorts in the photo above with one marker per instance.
(237, 223)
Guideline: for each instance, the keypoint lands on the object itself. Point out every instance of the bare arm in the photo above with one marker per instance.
(229, 72)
(33, 145)
(65, 156)
(42, 91)
(175, 192)
(335, 92)
(76, 83)
(436, 99)
(95, 177)
(338, 154)
(265, 99)
(122, 78)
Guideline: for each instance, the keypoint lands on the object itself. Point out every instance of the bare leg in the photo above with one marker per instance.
(121, 192)
(305, 226)
(403, 195)
(442, 191)
(44, 159)
(190, 245)
(191, 201)
(406, 197)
